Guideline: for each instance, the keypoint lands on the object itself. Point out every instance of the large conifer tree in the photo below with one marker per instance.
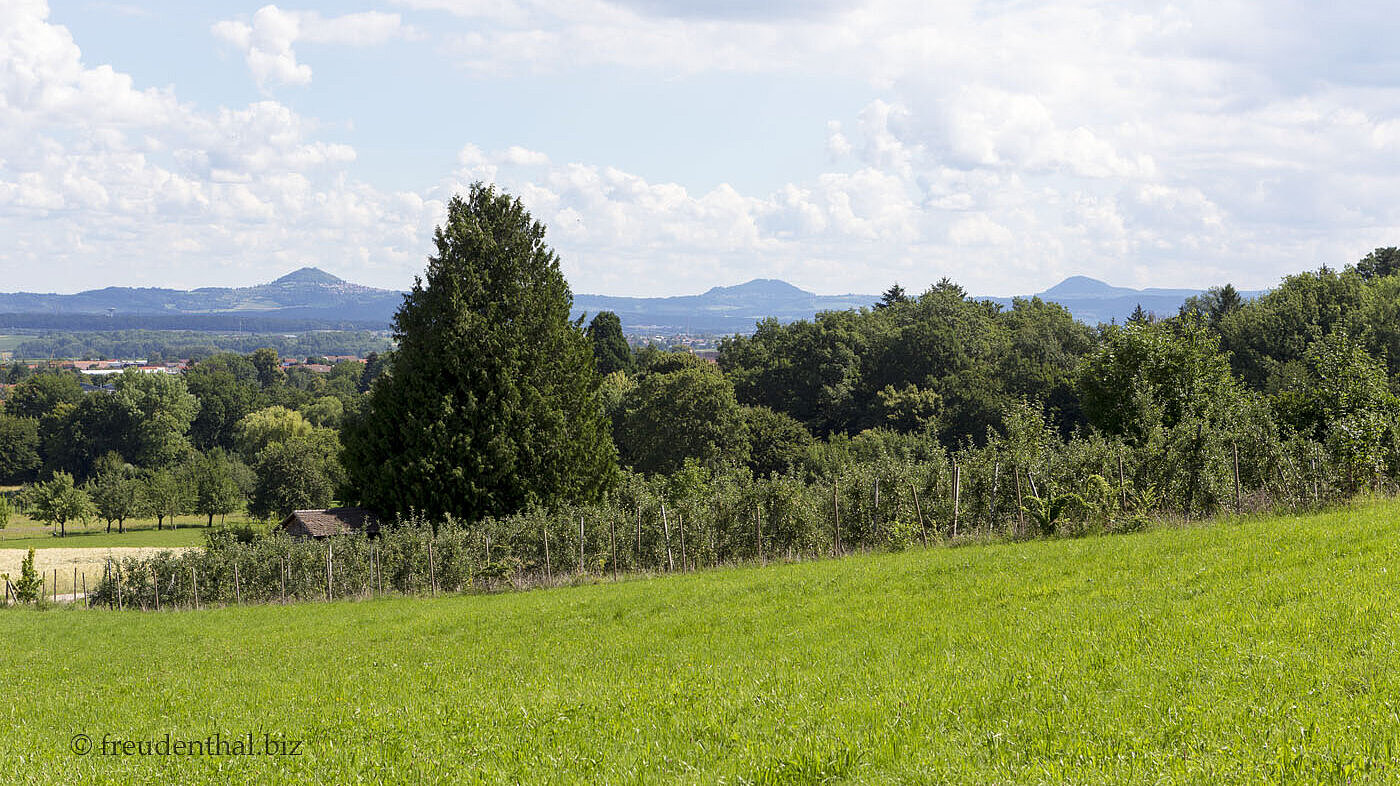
(490, 402)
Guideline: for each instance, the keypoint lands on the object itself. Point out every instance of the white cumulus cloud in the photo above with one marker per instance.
(267, 39)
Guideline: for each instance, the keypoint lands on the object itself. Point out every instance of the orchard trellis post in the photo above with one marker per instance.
(666, 530)
(919, 510)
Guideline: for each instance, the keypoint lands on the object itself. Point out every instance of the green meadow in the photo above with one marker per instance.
(1251, 651)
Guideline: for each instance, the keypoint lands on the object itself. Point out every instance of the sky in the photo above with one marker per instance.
(674, 146)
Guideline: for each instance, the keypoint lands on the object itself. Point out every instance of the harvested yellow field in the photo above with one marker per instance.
(69, 563)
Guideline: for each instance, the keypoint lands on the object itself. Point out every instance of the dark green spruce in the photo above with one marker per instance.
(490, 404)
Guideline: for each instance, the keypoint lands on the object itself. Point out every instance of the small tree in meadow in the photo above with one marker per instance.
(27, 588)
(163, 496)
(216, 489)
(57, 502)
(115, 491)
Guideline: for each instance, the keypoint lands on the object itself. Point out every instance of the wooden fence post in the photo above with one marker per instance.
(680, 527)
(1020, 504)
(996, 486)
(330, 562)
(1122, 485)
(75, 582)
(86, 600)
(194, 585)
(919, 509)
(612, 543)
(758, 524)
(282, 575)
(548, 570)
(155, 582)
(118, 570)
(580, 544)
(875, 512)
(957, 489)
(432, 569)
(237, 589)
(639, 534)
(836, 513)
(1236, 448)
(666, 527)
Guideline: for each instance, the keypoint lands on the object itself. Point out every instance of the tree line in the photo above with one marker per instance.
(234, 432)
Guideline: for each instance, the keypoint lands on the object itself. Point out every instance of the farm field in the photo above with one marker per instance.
(1258, 651)
(96, 536)
(74, 565)
(25, 533)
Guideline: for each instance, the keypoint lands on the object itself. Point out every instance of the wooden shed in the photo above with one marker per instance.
(331, 521)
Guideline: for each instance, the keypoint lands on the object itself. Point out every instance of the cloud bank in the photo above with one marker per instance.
(1003, 145)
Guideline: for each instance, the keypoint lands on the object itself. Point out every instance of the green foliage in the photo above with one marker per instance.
(893, 296)
(940, 360)
(195, 344)
(268, 366)
(56, 502)
(1381, 263)
(1156, 374)
(671, 416)
(259, 429)
(300, 473)
(157, 410)
(1046, 513)
(227, 388)
(1214, 305)
(4, 511)
(38, 395)
(492, 403)
(116, 492)
(27, 588)
(1344, 400)
(165, 494)
(214, 481)
(776, 441)
(325, 411)
(909, 409)
(19, 449)
(1275, 330)
(610, 350)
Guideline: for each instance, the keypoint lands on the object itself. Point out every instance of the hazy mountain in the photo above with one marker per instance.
(305, 294)
(721, 309)
(1092, 301)
(311, 297)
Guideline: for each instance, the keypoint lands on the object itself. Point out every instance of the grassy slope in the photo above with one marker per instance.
(1251, 652)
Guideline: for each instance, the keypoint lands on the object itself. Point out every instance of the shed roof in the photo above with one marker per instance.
(331, 521)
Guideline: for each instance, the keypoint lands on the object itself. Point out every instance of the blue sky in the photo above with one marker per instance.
(673, 146)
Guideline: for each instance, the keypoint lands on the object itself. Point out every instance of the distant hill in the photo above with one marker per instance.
(309, 298)
(1092, 301)
(720, 309)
